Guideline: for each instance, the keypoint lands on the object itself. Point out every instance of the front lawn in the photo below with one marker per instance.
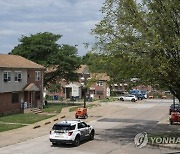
(6, 127)
(72, 109)
(26, 118)
(109, 99)
(55, 108)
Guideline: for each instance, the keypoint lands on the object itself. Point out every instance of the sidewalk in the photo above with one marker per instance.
(30, 131)
(43, 127)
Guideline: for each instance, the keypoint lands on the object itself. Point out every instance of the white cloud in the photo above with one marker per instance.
(73, 19)
(7, 32)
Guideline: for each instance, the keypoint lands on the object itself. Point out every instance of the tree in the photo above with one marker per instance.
(143, 38)
(43, 49)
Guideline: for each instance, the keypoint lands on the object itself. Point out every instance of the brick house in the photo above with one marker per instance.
(98, 88)
(69, 89)
(21, 82)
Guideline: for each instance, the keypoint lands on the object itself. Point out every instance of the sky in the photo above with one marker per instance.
(73, 19)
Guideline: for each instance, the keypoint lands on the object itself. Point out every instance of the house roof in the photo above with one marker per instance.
(51, 69)
(83, 69)
(100, 76)
(73, 84)
(31, 87)
(15, 61)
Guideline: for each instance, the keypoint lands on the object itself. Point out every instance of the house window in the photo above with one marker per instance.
(37, 76)
(7, 76)
(18, 76)
(37, 95)
(99, 83)
(99, 92)
(15, 97)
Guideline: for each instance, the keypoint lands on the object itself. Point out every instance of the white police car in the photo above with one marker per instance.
(71, 131)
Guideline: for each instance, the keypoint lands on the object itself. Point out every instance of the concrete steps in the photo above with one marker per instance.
(36, 110)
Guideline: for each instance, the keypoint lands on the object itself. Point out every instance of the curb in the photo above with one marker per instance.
(37, 126)
(165, 146)
(56, 119)
(46, 123)
(62, 117)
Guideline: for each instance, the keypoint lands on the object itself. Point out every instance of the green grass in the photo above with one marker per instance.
(53, 108)
(6, 127)
(56, 108)
(72, 109)
(27, 118)
(110, 99)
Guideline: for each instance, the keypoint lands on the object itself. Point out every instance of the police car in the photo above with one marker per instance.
(71, 131)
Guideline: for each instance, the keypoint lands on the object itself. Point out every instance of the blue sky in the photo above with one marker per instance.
(73, 19)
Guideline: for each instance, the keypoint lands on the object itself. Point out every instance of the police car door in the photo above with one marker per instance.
(82, 129)
(87, 130)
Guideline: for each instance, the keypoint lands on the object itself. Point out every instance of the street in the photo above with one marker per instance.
(115, 132)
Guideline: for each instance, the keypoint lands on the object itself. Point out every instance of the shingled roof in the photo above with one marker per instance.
(15, 61)
(100, 76)
(83, 69)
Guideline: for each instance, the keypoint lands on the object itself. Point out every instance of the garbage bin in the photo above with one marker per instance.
(55, 97)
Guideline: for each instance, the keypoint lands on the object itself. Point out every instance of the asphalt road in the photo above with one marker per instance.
(115, 132)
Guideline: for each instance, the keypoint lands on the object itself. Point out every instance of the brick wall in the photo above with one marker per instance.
(6, 105)
(100, 91)
(39, 84)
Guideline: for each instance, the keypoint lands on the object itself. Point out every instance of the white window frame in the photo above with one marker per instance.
(99, 83)
(37, 75)
(17, 76)
(8, 74)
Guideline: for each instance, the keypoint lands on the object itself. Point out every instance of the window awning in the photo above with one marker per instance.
(31, 87)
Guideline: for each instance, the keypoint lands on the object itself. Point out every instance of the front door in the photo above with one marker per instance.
(68, 92)
(29, 98)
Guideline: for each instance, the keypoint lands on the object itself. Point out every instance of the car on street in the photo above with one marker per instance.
(140, 94)
(131, 98)
(71, 131)
(174, 108)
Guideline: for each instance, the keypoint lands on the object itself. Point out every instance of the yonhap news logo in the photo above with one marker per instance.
(142, 139)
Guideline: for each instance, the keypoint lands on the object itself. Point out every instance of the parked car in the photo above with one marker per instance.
(144, 92)
(174, 108)
(140, 96)
(128, 98)
(71, 131)
(175, 117)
